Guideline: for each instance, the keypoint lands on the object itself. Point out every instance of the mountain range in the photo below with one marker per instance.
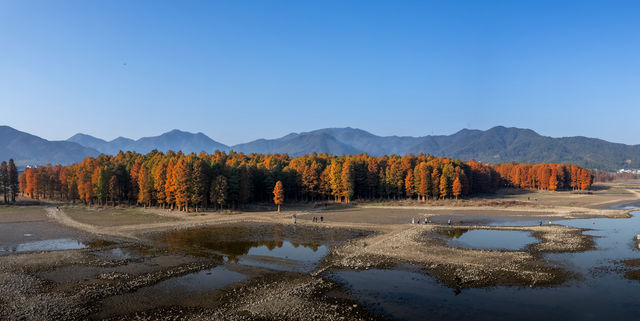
(173, 140)
(495, 145)
(27, 149)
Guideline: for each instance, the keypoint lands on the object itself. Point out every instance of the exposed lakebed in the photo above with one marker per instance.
(208, 260)
(600, 291)
(488, 239)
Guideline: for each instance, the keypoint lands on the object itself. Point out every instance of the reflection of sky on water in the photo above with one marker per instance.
(238, 244)
(204, 280)
(488, 239)
(46, 245)
(304, 258)
(600, 294)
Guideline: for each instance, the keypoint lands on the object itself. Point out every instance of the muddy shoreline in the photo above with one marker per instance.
(123, 261)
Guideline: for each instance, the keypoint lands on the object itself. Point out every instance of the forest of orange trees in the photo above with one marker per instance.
(233, 180)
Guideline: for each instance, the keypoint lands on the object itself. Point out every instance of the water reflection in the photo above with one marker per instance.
(272, 246)
(453, 233)
(46, 245)
(59, 244)
(205, 280)
(600, 293)
(488, 239)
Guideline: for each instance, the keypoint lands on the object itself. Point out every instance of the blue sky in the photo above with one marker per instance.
(242, 70)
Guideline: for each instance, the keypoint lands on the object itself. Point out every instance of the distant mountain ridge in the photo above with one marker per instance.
(495, 145)
(173, 140)
(27, 149)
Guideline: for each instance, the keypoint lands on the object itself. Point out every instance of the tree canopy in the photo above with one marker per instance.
(235, 179)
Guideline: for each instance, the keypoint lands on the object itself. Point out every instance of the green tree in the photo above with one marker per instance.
(199, 184)
(4, 181)
(113, 189)
(219, 191)
(102, 186)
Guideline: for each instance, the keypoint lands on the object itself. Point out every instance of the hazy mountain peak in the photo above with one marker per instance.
(81, 137)
(121, 140)
(176, 132)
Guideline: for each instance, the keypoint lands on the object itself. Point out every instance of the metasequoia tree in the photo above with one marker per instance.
(191, 182)
(278, 194)
(4, 181)
(219, 191)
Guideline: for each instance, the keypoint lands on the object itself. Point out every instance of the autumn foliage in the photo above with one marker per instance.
(190, 182)
(278, 194)
(545, 176)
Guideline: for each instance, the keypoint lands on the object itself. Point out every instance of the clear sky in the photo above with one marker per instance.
(241, 70)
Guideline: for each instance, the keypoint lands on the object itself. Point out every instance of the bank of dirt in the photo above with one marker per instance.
(458, 267)
(89, 283)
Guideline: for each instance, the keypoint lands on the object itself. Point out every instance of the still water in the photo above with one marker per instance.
(600, 293)
(488, 239)
(45, 245)
(277, 247)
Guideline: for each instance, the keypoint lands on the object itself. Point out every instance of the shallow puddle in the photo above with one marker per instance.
(205, 280)
(280, 247)
(194, 289)
(285, 255)
(488, 239)
(115, 254)
(45, 245)
(125, 253)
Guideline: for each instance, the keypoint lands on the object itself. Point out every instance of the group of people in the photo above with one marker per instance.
(427, 221)
(414, 221)
(315, 219)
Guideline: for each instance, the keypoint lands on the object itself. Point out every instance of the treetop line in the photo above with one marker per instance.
(231, 180)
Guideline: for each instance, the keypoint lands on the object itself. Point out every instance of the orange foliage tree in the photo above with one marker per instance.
(278, 194)
(233, 179)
